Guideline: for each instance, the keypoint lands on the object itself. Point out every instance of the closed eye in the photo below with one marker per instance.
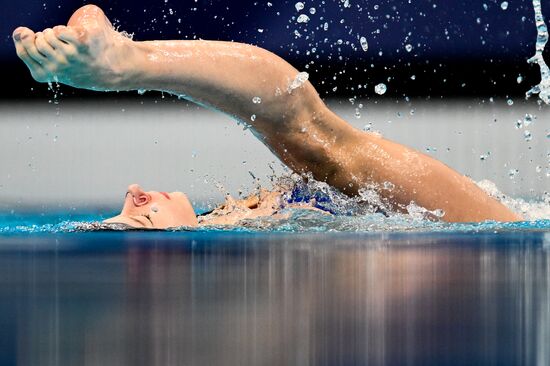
(148, 217)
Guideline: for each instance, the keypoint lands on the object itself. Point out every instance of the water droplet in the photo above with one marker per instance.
(484, 157)
(519, 79)
(512, 173)
(141, 91)
(380, 88)
(256, 100)
(408, 47)
(364, 44)
(299, 6)
(302, 18)
(325, 26)
(527, 135)
(510, 102)
(504, 5)
(298, 81)
(357, 113)
(538, 169)
(528, 119)
(312, 11)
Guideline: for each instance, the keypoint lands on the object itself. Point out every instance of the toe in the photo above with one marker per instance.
(43, 46)
(51, 38)
(23, 55)
(17, 33)
(34, 67)
(27, 40)
(70, 35)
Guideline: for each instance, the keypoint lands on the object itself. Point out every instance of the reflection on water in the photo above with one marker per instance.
(219, 299)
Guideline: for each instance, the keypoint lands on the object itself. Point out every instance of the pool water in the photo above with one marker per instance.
(470, 296)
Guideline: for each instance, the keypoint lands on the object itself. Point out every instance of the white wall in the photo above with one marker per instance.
(84, 154)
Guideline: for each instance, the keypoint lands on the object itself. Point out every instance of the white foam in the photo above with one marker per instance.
(530, 210)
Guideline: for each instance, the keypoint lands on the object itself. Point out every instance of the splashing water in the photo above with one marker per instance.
(298, 81)
(366, 212)
(543, 88)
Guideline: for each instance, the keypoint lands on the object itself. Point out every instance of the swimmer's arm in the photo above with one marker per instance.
(227, 76)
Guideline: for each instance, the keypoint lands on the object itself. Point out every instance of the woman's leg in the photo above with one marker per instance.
(260, 89)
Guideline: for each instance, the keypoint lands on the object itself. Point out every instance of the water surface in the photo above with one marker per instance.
(256, 298)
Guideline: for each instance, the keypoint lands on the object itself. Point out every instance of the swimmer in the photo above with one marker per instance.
(262, 90)
(163, 210)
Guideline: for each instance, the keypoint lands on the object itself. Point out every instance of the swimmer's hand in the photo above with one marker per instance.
(87, 53)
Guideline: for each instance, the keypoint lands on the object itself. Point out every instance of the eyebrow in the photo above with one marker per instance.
(165, 194)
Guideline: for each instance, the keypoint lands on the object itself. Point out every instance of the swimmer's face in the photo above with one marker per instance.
(155, 210)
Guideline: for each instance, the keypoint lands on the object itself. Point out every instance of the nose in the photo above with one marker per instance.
(140, 197)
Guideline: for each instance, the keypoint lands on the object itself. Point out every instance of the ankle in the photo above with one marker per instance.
(129, 72)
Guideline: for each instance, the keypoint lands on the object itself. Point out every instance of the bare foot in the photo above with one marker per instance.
(87, 53)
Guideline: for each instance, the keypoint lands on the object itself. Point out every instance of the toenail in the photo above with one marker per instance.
(17, 36)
